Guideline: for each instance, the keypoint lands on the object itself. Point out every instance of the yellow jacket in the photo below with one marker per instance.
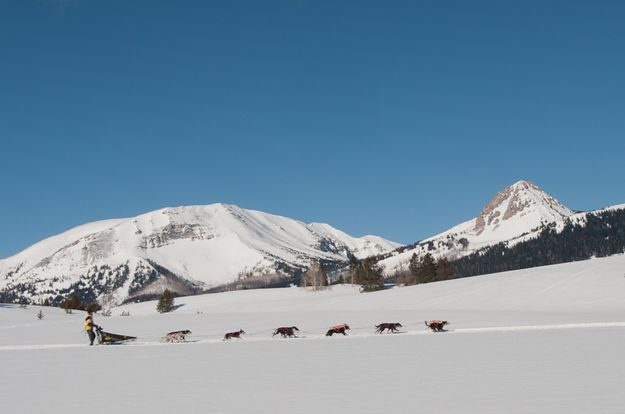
(89, 322)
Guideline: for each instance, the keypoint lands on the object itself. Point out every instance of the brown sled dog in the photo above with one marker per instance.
(390, 327)
(436, 326)
(286, 331)
(236, 334)
(340, 329)
(177, 336)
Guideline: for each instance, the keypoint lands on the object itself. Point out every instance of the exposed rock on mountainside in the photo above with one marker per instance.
(515, 214)
(187, 249)
(516, 201)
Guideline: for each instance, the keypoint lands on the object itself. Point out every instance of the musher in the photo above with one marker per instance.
(90, 326)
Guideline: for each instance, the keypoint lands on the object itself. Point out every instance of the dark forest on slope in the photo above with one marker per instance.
(602, 235)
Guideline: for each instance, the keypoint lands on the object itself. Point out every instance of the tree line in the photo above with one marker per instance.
(425, 270)
(364, 272)
(602, 235)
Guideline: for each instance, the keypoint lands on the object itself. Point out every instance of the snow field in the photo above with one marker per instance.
(549, 372)
(543, 340)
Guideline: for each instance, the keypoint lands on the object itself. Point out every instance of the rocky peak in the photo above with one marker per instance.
(516, 201)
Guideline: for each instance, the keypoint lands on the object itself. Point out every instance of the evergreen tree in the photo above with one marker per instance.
(423, 271)
(369, 275)
(165, 302)
(428, 269)
(414, 267)
(72, 302)
(444, 269)
(93, 307)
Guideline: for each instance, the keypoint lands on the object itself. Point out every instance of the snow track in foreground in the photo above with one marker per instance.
(310, 335)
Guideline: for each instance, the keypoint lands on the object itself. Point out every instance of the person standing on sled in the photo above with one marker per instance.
(89, 327)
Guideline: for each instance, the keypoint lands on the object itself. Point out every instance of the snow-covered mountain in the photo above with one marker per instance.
(186, 248)
(190, 249)
(515, 214)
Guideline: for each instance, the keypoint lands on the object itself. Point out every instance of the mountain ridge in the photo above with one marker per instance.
(204, 245)
(199, 247)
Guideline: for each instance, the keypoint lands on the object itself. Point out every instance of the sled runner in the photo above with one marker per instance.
(105, 338)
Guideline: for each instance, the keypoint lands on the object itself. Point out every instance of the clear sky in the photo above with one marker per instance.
(394, 118)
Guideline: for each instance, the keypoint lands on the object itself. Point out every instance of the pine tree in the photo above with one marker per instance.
(70, 303)
(93, 307)
(444, 269)
(165, 302)
(414, 267)
(369, 275)
(423, 271)
(428, 269)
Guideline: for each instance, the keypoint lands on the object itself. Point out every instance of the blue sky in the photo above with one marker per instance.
(399, 119)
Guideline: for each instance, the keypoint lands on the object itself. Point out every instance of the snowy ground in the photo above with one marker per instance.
(543, 340)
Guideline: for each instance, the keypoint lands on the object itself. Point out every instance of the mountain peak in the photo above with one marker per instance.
(516, 213)
(524, 184)
(523, 198)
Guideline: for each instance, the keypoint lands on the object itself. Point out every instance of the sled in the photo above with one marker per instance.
(107, 338)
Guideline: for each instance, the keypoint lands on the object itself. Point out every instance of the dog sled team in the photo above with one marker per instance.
(94, 331)
(289, 331)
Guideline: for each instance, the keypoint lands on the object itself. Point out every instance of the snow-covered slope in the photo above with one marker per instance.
(543, 341)
(593, 285)
(513, 215)
(199, 246)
